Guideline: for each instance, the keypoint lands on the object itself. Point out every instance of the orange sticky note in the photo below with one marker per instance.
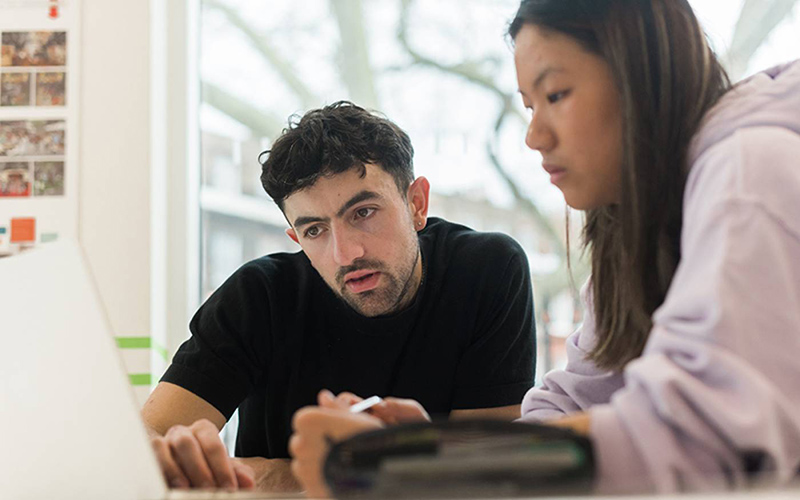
(23, 230)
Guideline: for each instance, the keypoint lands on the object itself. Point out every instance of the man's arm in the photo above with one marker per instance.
(170, 405)
(184, 431)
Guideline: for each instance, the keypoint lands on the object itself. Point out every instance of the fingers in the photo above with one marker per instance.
(343, 401)
(215, 454)
(245, 477)
(195, 456)
(348, 399)
(189, 455)
(396, 411)
(172, 472)
(308, 455)
(314, 430)
(332, 423)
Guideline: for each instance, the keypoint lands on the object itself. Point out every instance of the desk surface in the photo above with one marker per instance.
(782, 494)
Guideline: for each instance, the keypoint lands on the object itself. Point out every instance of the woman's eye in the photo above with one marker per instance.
(557, 96)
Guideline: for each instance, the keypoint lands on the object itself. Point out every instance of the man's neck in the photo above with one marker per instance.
(412, 286)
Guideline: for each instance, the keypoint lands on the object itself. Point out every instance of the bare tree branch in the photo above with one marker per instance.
(467, 70)
(519, 196)
(260, 43)
(354, 65)
(757, 19)
(470, 72)
(260, 121)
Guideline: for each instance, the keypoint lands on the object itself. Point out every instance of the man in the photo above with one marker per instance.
(381, 301)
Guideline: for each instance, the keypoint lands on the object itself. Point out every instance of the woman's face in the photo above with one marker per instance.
(576, 120)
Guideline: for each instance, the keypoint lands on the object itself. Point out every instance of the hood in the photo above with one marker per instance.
(769, 98)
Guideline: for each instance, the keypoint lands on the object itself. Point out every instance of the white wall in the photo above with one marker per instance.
(134, 195)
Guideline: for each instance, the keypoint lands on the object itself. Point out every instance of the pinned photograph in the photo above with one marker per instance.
(48, 178)
(15, 89)
(34, 48)
(51, 89)
(14, 179)
(32, 138)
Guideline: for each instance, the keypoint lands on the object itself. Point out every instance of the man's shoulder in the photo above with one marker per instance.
(457, 240)
(273, 269)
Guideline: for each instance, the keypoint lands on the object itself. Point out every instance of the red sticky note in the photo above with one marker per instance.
(23, 230)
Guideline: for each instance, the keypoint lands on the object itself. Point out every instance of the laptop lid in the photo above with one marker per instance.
(70, 427)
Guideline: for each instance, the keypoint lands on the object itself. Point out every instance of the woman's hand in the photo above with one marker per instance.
(315, 429)
(391, 411)
(580, 423)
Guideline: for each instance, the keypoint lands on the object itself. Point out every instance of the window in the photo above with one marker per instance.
(444, 72)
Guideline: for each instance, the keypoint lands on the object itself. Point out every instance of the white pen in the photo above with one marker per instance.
(365, 404)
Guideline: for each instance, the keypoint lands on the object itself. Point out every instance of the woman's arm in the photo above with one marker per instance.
(580, 385)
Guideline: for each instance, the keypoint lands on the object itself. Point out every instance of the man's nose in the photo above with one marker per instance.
(347, 247)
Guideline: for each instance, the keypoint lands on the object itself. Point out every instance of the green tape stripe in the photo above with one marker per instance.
(134, 342)
(142, 343)
(162, 351)
(139, 379)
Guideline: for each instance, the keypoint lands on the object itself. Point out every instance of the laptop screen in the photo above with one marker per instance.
(71, 428)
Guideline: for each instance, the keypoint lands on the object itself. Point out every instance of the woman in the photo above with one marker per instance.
(685, 371)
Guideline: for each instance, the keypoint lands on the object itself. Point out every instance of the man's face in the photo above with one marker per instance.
(359, 234)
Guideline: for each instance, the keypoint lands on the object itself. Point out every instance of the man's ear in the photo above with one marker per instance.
(418, 198)
(292, 234)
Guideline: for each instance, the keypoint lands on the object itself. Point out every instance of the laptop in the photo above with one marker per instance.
(70, 426)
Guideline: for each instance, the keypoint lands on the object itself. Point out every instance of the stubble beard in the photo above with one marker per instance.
(389, 296)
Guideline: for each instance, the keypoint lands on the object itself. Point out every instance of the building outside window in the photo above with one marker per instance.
(443, 70)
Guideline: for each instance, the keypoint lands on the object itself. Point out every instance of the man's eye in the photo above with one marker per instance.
(557, 96)
(363, 213)
(312, 232)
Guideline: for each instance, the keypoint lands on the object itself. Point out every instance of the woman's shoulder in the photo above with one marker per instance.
(756, 167)
(749, 144)
(747, 151)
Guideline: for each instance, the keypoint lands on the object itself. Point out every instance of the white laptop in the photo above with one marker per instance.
(69, 426)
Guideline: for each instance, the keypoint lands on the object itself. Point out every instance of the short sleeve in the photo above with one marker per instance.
(227, 352)
(499, 364)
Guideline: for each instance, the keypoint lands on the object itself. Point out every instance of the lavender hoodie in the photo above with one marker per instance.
(720, 373)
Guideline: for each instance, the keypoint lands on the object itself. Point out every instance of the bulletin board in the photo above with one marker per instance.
(39, 83)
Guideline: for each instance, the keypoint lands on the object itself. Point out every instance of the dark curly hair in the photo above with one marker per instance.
(332, 140)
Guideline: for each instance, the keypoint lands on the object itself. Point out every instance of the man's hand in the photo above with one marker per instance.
(195, 457)
(273, 475)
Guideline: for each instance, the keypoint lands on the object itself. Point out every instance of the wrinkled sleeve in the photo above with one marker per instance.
(717, 389)
(498, 367)
(228, 349)
(580, 384)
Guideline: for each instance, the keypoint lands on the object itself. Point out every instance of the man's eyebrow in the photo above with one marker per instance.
(358, 198)
(302, 221)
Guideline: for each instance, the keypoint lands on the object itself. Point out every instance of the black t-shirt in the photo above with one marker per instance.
(274, 334)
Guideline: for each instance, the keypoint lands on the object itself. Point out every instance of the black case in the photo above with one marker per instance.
(464, 459)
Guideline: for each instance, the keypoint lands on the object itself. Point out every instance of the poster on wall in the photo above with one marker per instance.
(39, 166)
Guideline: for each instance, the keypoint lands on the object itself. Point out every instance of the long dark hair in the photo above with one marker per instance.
(667, 78)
